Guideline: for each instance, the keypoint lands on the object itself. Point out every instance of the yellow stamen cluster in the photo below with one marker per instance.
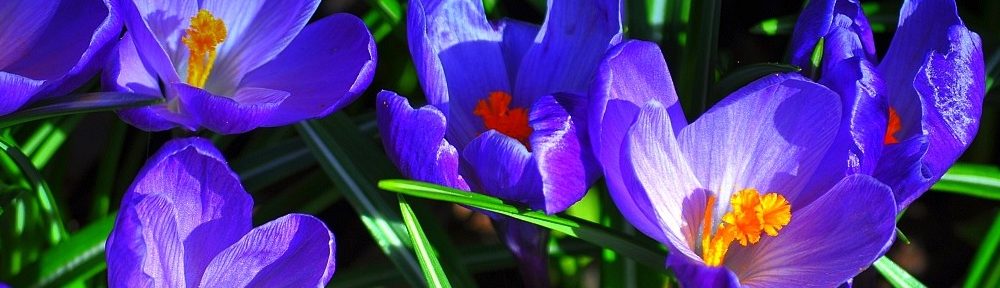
(201, 38)
(749, 215)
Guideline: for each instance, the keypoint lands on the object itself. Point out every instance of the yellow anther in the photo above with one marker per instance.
(201, 39)
(750, 213)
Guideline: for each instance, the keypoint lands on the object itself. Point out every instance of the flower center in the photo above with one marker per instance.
(204, 35)
(497, 115)
(750, 214)
(893, 127)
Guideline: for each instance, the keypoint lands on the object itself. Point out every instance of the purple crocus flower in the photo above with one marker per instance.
(232, 66)
(728, 193)
(505, 105)
(51, 47)
(911, 115)
(185, 222)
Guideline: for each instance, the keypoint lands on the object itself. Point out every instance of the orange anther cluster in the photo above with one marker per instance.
(201, 39)
(750, 214)
(497, 115)
(893, 127)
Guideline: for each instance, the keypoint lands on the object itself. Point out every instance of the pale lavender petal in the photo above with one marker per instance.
(294, 250)
(653, 165)
(770, 135)
(694, 273)
(145, 247)
(325, 68)
(414, 140)
(826, 243)
(257, 30)
(126, 72)
(157, 28)
(631, 74)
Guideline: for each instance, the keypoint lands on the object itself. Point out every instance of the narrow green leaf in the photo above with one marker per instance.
(774, 26)
(50, 213)
(698, 65)
(746, 74)
(985, 256)
(643, 252)
(975, 180)
(385, 227)
(269, 165)
(80, 257)
(896, 276)
(901, 236)
(390, 9)
(426, 253)
(78, 103)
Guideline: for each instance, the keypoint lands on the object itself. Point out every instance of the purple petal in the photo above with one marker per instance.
(859, 141)
(502, 167)
(145, 248)
(210, 210)
(294, 250)
(518, 37)
(157, 28)
(325, 68)
(653, 166)
(125, 72)
(573, 39)
(76, 41)
(530, 245)
(16, 90)
(631, 74)
(934, 74)
(434, 26)
(902, 169)
(694, 273)
(414, 140)
(822, 19)
(565, 167)
(770, 135)
(257, 30)
(24, 22)
(246, 110)
(826, 243)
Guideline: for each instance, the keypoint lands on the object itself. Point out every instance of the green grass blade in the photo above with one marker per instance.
(80, 257)
(50, 213)
(78, 103)
(698, 66)
(985, 256)
(385, 227)
(643, 252)
(896, 276)
(426, 253)
(975, 180)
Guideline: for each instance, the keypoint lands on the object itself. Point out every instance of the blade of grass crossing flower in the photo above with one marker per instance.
(78, 103)
(385, 226)
(47, 140)
(896, 276)
(985, 256)
(976, 180)
(426, 253)
(80, 257)
(643, 252)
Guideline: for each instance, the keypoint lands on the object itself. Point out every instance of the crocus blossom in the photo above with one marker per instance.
(51, 47)
(185, 222)
(728, 192)
(232, 66)
(505, 104)
(911, 114)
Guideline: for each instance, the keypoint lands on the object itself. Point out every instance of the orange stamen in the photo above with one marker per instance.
(497, 115)
(750, 214)
(893, 127)
(201, 39)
